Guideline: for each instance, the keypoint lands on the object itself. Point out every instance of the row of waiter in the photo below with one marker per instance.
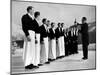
(71, 41)
(45, 43)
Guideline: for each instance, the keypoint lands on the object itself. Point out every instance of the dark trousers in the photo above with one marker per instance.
(66, 49)
(76, 47)
(85, 51)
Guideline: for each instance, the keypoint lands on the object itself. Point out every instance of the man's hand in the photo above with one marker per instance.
(28, 38)
(36, 41)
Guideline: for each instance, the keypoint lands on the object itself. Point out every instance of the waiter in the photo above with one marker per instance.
(75, 37)
(29, 30)
(62, 40)
(75, 40)
(52, 41)
(36, 22)
(85, 37)
(66, 43)
(49, 41)
(44, 40)
(58, 40)
(69, 42)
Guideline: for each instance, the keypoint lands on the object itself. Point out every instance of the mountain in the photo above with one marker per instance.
(16, 32)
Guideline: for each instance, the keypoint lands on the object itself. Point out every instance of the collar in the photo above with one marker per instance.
(37, 21)
(45, 26)
(62, 28)
(31, 16)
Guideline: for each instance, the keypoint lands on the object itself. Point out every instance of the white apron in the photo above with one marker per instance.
(44, 52)
(50, 52)
(58, 48)
(62, 46)
(37, 48)
(46, 48)
(53, 49)
(29, 50)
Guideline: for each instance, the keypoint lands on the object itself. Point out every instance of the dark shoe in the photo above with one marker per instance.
(63, 56)
(84, 58)
(31, 65)
(52, 59)
(35, 66)
(47, 62)
(59, 57)
(40, 64)
(28, 67)
(49, 59)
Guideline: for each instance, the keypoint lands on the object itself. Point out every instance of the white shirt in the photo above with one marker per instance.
(62, 29)
(31, 16)
(38, 21)
(53, 30)
(59, 29)
(45, 27)
(48, 29)
(72, 32)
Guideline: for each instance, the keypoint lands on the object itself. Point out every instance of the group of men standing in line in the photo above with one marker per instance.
(71, 40)
(45, 43)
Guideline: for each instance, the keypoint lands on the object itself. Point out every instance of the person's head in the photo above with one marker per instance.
(52, 25)
(37, 15)
(74, 28)
(48, 23)
(62, 25)
(84, 19)
(44, 20)
(58, 24)
(30, 10)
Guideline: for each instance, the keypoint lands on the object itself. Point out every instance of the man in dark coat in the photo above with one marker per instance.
(44, 40)
(29, 27)
(66, 43)
(69, 42)
(58, 40)
(75, 37)
(76, 40)
(62, 39)
(85, 37)
(52, 37)
(36, 22)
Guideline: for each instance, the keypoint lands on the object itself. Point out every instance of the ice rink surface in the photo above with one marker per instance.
(68, 63)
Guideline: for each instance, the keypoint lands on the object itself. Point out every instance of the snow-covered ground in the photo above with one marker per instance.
(68, 63)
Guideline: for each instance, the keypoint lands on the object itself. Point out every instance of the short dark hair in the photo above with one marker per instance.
(59, 23)
(43, 20)
(29, 8)
(84, 18)
(48, 20)
(36, 14)
(62, 23)
(52, 23)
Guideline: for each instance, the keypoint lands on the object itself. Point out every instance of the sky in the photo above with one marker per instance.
(54, 12)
